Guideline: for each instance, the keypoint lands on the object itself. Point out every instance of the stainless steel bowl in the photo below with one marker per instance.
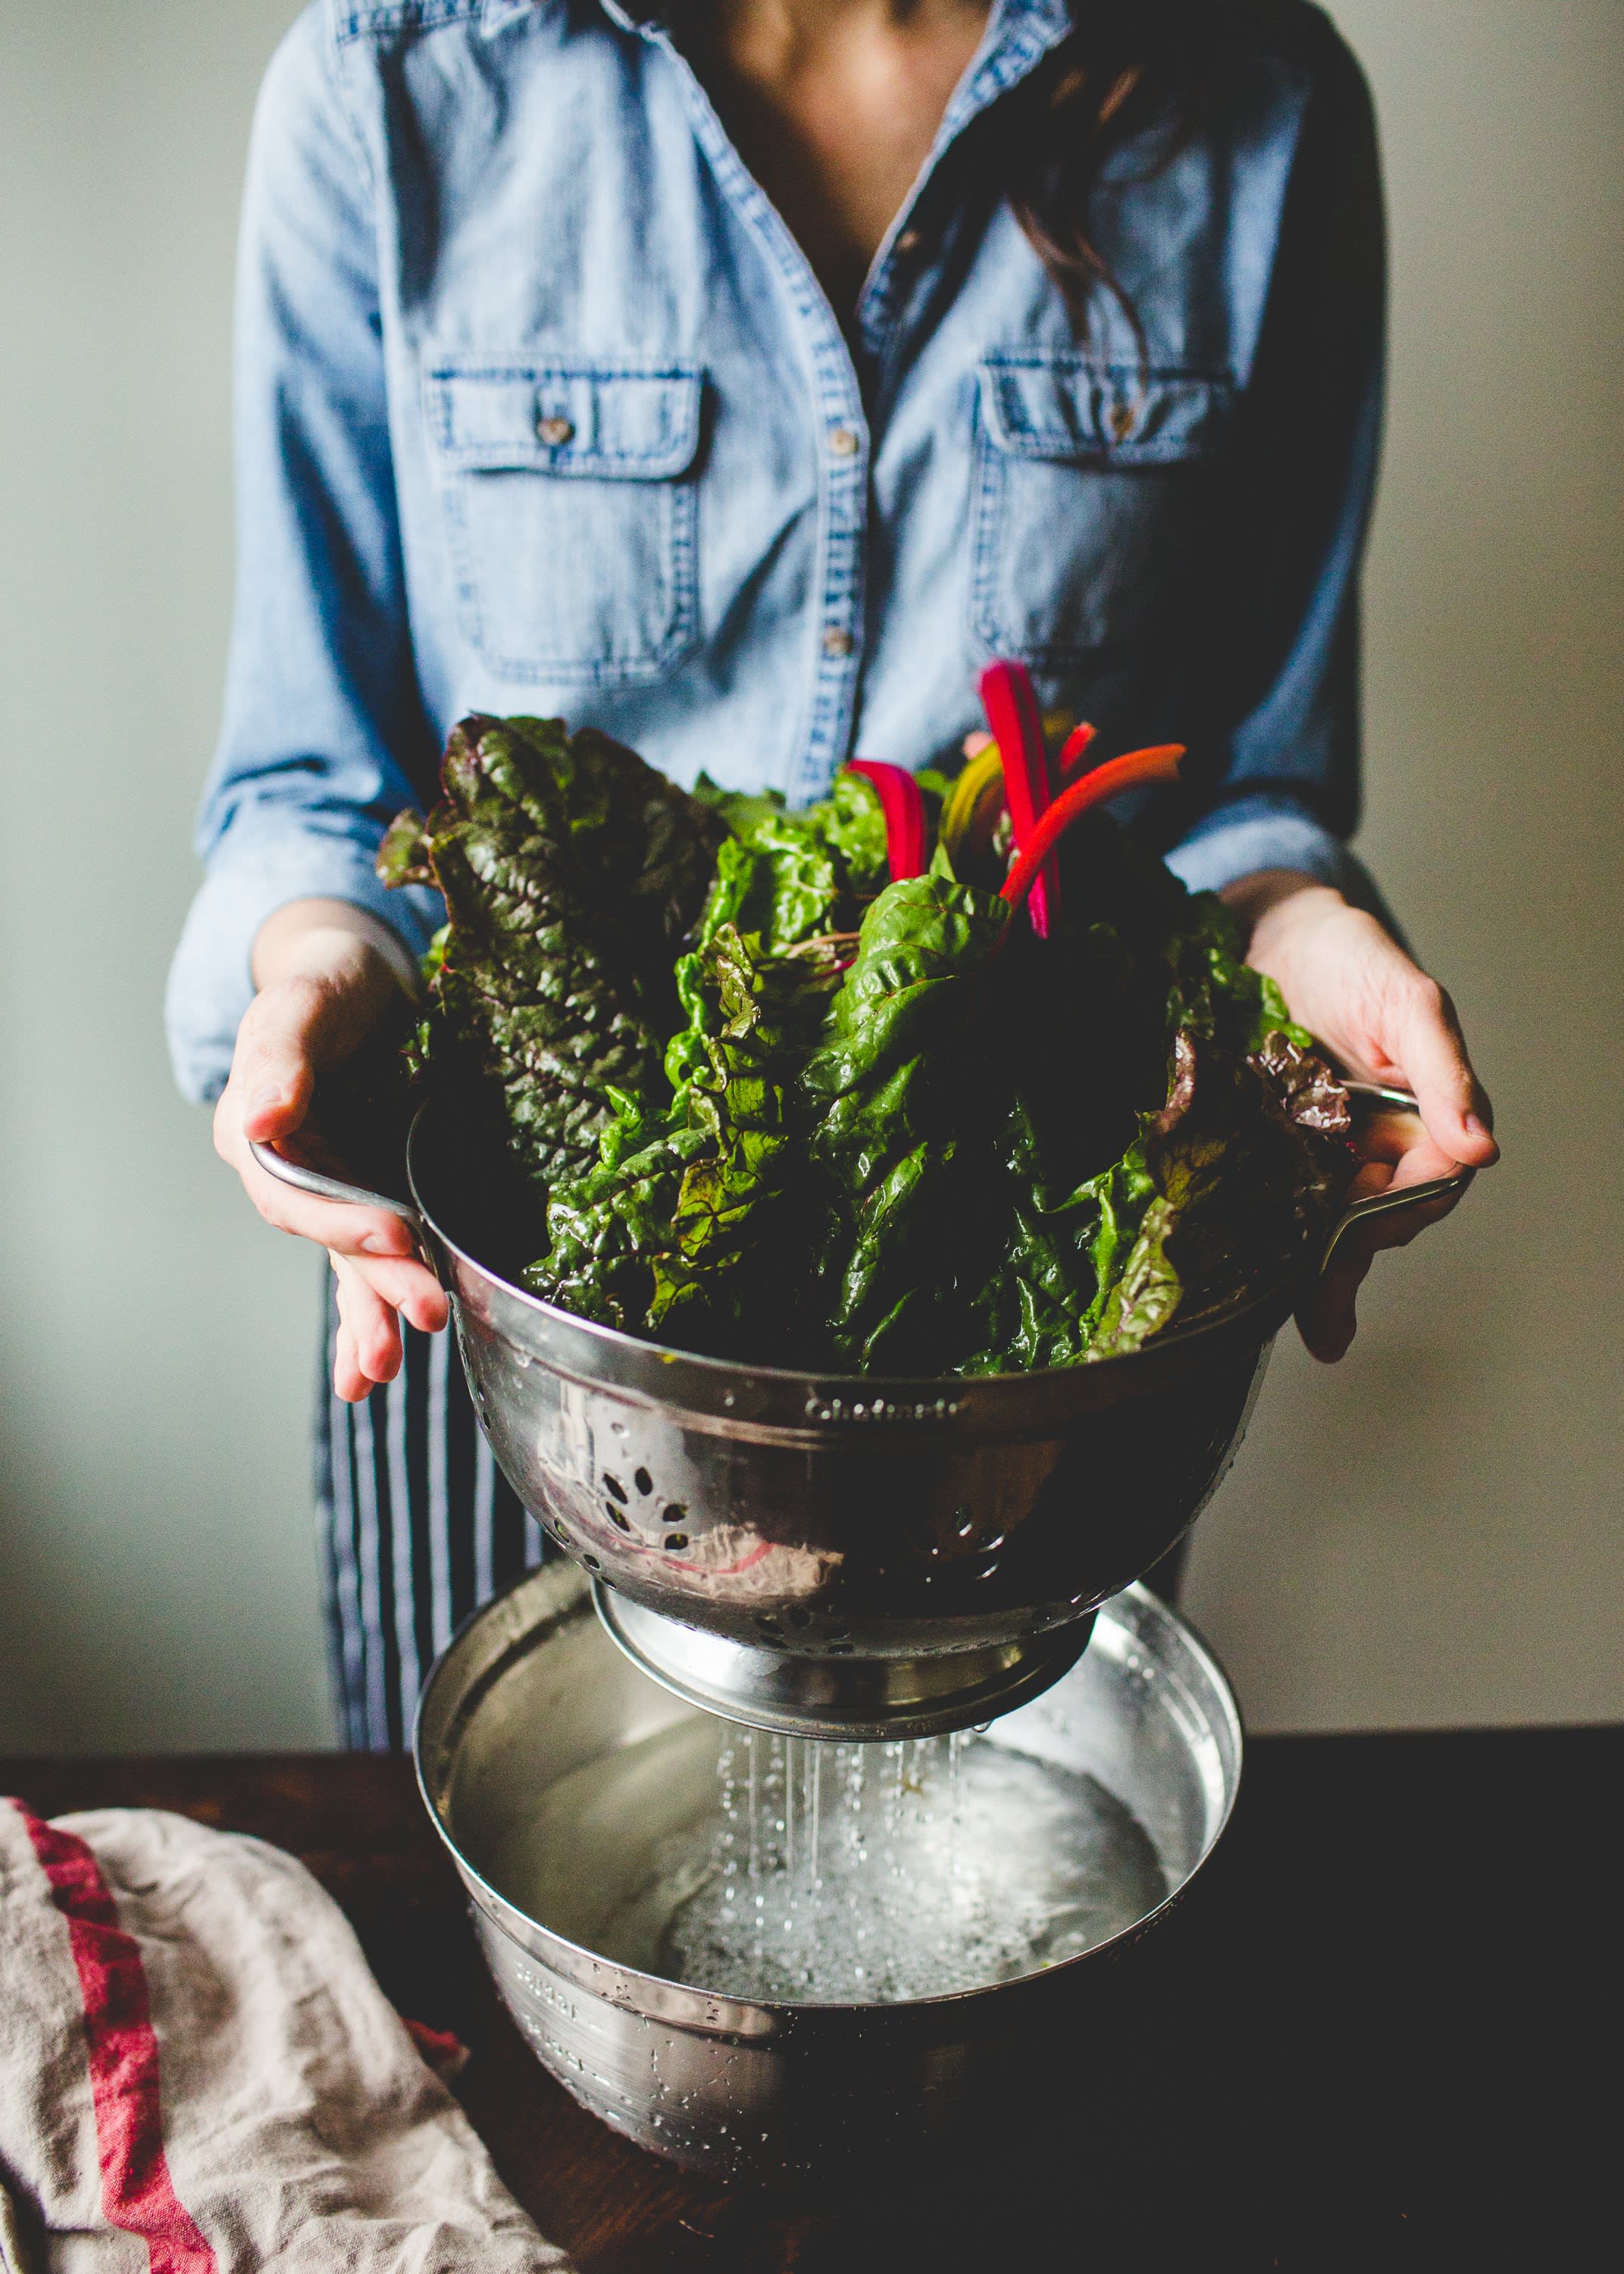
(532, 1693)
(833, 1556)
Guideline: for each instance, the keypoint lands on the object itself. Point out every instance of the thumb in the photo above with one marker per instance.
(1431, 1053)
(279, 1045)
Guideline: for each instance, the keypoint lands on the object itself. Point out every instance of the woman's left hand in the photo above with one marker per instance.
(1348, 981)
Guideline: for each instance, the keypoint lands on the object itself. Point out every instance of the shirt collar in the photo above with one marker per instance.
(1052, 17)
(1049, 20)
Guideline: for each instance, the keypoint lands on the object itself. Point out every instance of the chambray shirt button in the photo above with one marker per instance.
(555, 431)
(844, 442)
(836, 642)
(909, 242)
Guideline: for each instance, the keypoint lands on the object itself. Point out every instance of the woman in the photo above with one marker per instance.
(738, 384)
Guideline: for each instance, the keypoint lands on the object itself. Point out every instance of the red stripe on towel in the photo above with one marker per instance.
(138, 2194)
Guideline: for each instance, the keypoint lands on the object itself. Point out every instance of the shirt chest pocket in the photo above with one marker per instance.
(1089, 482)
(571, 511)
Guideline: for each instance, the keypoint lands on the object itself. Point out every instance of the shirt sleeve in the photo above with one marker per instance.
(1274, 772)
(324, 727)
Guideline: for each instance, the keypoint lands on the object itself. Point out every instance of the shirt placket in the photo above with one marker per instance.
(1020, 34)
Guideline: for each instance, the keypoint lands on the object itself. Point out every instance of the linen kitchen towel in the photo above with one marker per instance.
(199, 2075)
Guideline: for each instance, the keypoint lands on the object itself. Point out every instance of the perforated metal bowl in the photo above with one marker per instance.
(834, 1557)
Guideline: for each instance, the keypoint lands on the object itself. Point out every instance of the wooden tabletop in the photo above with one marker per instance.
(1382, 2032)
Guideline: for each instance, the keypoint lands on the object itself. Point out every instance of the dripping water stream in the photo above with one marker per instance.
(895, 1869)
(786, 1868)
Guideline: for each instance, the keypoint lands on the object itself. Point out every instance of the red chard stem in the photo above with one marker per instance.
(1160, 763)
(1012, 714)
(902, 804)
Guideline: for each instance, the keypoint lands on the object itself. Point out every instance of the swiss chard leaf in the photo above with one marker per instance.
(680, 1219)
(893, 1125)
(570, 870)
(787, 876)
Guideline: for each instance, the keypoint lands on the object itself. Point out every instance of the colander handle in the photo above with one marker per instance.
(331, 1188)
(1389, 1203)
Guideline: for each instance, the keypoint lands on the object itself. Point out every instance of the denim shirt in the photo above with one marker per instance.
(540, 407)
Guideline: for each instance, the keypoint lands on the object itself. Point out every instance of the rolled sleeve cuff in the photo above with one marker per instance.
(252, 876)
(1272, 832)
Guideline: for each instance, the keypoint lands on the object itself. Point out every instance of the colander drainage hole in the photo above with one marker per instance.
(614, 1485)
(677, 1540)
(675, 1513)
(591, 1562)
(615, 1515)
(800, 1618)
(644, 1482)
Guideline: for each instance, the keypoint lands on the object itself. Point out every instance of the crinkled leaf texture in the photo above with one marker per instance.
(781, 1108)
(571, 871)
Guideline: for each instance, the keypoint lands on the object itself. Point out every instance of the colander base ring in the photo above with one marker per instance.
(850, 1699)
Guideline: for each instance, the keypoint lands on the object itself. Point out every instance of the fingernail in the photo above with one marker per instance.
(1477, 1127)
(381, 1243)
(262, 1100)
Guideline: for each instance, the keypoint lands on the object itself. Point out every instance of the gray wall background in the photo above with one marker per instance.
(1428, 1534)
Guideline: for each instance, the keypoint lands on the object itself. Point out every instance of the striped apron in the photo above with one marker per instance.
(417, 1527)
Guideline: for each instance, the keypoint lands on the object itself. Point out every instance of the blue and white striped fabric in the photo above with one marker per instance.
(418, 1528)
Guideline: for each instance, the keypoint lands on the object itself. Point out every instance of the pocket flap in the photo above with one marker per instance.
(613, 423)
(1071, 407)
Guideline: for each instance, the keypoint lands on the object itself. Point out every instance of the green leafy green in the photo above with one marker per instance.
(782, 1108)
(677, 1217)
(891, 1122)
(570, 871)
(790, 876)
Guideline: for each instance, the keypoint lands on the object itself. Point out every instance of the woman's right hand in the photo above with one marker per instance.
(327, 972)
